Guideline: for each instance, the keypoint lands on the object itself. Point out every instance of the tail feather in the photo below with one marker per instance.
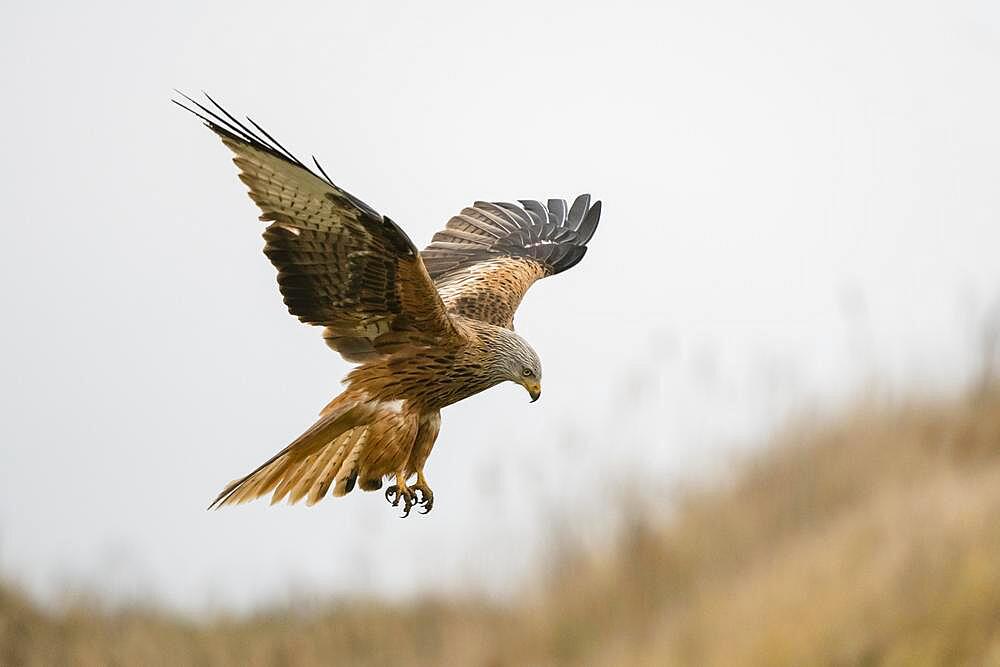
(324, 480)
(354, 442)
(263, 483)
(343, 483)
(283, 470)
(292, 478)
(311, 471)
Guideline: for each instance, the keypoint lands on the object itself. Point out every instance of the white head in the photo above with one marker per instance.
(516, 361)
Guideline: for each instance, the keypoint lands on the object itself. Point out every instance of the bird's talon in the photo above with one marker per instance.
(425, 497)
(394, 494)
(408, 500)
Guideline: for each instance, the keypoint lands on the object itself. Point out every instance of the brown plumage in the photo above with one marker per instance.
(427, 329)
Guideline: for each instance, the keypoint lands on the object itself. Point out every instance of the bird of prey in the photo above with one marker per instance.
(425, 328)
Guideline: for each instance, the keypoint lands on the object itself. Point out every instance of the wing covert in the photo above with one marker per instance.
(340, 264)
(487, 256)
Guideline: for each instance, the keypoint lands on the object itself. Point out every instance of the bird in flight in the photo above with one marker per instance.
(426, 328)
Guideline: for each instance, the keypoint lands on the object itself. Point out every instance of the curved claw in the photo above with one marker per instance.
(408, 500)
(425, 497)
(393, 494)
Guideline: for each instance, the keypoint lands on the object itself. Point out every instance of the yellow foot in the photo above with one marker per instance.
(400, 491)
(426, 496)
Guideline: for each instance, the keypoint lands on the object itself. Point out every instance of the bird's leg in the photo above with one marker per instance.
(426, 497)
(400, 491)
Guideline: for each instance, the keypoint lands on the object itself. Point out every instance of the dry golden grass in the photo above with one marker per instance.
(872, 539)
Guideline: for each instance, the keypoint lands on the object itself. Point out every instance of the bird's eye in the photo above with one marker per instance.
(527, 373)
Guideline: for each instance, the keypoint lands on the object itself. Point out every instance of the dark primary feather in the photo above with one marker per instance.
(488, 255)
(346, 267)
(237, 130)
(340, 263)
(546, 234)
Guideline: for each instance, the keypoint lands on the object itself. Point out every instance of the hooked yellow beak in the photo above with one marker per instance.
(534, 389)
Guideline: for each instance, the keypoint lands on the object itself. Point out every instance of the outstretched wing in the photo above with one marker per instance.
(340, 264)
(488, 255)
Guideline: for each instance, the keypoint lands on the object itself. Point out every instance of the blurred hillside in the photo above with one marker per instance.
(873, 538)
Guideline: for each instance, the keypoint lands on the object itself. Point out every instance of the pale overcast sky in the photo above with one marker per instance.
(798, 197)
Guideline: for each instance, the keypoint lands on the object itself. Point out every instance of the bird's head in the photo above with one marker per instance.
(519, 363)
